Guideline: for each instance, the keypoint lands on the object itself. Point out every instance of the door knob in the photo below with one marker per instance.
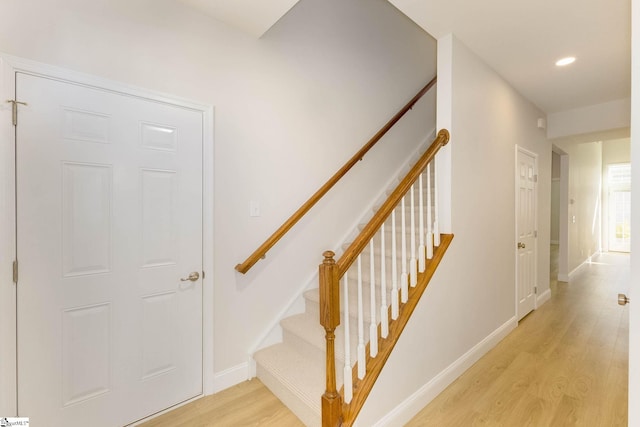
(521, 245)
(623, 299)
(193, 276)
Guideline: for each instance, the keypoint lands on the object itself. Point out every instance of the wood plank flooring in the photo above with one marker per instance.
(565, 365)
(246, 404)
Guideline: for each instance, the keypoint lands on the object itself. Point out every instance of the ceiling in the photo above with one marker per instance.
(521, 40)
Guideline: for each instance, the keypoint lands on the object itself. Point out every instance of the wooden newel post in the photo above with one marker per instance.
(330, 319)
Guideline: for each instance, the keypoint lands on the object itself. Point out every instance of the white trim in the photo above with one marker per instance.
(9, 66)
(580, 267)
(8, 385)
(230, 377)
(208, 218)
(575, 271)
(543, 297)
(563, 249)
(164, 411)
(418, 400)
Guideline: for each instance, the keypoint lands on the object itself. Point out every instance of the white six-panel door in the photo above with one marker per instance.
(109, 220)
(526, 232)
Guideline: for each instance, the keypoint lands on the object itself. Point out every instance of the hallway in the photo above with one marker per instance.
(565, 365)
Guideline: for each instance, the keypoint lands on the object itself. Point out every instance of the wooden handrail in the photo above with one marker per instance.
(284, 228)
(358, 245)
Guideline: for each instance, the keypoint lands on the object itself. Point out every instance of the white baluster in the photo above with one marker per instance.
(394, 268)
(413, 263)
(373, 324)
(404, 277)
(436, 227)
(362, 367)
(429, 218)
(347, 373)
(384, 310)
(421, 248)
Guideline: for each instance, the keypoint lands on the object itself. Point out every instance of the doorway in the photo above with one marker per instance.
(559, 215)
(90, 154)
(619, 221)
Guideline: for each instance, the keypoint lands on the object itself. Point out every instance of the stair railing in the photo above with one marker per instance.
(262, 250)
(406, 265)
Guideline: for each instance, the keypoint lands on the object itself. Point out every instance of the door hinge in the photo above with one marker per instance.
(15, 271)
(535, 233)
(203, 274)
(535, 290)
(14, 110)
(535, 178)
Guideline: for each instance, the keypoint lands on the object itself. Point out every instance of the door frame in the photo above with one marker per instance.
(9, 65)
(563, 248)
(520, 149)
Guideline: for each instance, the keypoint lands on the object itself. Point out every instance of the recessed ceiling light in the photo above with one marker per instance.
(566, 61)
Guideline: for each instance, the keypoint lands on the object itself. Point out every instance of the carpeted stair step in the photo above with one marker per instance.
(298, 380)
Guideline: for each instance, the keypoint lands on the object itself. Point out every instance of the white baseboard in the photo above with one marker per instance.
(543, 297)
(578, 268)
(230, 377)
(416, 402)
(563, 277)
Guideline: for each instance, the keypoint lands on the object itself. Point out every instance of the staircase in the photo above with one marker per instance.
(295, 369)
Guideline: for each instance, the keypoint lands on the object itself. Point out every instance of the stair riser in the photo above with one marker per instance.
(313, 308)
(309, 416)
(352, 275)
(310, 346)
(308, 349)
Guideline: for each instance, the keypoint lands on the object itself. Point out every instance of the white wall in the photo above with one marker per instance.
(290, 109)
(587, 120)
(473, 293)
(585, 189)
(613, 152)
(616, 151)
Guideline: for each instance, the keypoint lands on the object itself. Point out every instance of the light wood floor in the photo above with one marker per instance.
(246, 404)
(565, 365)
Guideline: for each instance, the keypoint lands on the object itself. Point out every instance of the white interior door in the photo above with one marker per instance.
(109, 219)
(526, 199)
